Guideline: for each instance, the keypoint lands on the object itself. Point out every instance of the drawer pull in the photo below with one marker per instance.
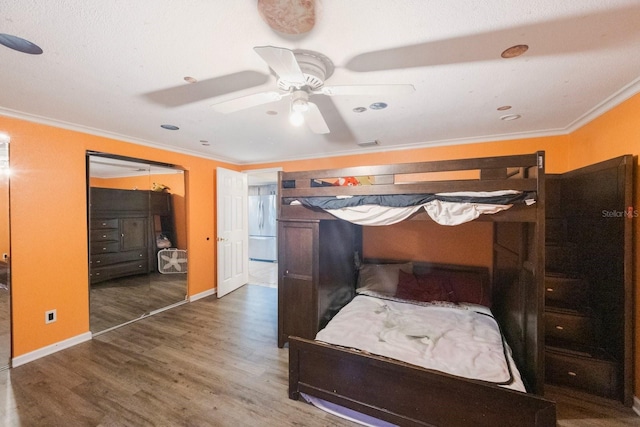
(571, 373)
(560, 328)
(549, 289)
(104, 249)
(98, 262)
(97, 274)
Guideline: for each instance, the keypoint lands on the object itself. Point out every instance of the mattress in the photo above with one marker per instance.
(463, 340)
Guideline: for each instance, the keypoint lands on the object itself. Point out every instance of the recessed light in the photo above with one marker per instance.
(272, 113)
(169, 127)
(514, 51)
(504, 108)
(359, 109)
(378, 105)
(19, 44)
(510, 117)
(190, 79)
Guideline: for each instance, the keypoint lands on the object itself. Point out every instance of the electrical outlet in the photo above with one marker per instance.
(50, 316)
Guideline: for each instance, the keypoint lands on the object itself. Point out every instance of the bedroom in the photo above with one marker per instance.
(38, 190)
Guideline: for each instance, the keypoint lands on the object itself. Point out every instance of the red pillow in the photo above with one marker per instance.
(466, 286)
(424, 288)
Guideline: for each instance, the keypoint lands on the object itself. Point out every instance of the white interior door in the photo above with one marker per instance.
(232, 231)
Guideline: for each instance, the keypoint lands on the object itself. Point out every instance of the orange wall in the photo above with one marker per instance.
(49, 233)
(614, 134)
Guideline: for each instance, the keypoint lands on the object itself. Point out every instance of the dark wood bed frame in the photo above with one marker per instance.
(408, 395)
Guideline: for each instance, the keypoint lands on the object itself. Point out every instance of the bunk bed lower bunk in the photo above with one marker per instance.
(319, 276)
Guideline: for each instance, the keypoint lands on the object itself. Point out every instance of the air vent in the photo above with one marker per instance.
(369, 143)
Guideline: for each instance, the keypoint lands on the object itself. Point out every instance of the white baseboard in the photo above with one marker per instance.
(70, 342)
(50, 349)
(636, 405)
(204, 294)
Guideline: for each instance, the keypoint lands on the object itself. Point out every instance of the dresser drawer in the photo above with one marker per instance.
(104, 247)
(570, 326)
(595, 375)
(103, 235)
(117, 270)
(97, 224)
(565, 291)
(99, 260)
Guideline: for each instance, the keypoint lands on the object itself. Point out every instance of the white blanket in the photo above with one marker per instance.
(458, 341)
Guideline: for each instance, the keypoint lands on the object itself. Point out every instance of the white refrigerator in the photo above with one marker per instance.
(263, 243)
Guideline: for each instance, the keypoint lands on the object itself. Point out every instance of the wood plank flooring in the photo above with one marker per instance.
(208, 363)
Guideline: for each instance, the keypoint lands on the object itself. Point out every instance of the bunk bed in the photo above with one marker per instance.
(320, 240)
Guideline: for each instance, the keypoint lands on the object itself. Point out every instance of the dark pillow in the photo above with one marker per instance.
(424, 288)
(466, 286)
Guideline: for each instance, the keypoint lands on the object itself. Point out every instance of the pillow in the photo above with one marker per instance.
(470, 287)
(460, 286)
(381, 278)
(425, 288)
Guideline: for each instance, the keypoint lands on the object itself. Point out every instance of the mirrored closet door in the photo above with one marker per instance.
(137, 239)
(5, 285)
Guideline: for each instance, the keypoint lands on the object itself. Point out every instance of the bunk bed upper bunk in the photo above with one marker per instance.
(507, 190)
(516, 180)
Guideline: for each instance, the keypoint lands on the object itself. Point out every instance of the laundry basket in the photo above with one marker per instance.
(172, 261)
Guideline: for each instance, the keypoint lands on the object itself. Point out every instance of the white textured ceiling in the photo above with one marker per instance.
(117, 68)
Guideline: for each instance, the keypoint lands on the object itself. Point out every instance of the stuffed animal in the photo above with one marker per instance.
(159, 187)
(347, 180)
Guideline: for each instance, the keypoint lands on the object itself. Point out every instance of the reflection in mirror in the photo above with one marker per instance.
(5, 303)
(137, 239)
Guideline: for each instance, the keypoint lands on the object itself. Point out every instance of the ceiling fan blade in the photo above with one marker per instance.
(188, 93)
(283, 62)
(248, 101)
(314, 120)
(383, 89)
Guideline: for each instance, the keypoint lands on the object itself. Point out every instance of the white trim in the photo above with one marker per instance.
(204, 294)
(614, 100)
(636, 405)
(105, 134)
(50, 349)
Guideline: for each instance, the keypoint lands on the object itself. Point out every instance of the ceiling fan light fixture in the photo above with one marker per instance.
(300, 105)
(296, 118)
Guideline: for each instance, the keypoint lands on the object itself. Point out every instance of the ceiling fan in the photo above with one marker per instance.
(301, 75)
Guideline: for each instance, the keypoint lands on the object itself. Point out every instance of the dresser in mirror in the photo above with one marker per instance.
(137, 239)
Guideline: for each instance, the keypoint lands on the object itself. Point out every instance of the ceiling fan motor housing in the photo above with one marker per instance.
(315, 67)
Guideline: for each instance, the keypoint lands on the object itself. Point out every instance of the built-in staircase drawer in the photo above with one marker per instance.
(565, 291)
(592, 374)
(570, 326)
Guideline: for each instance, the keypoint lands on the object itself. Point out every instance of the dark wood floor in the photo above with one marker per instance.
(208, 363)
